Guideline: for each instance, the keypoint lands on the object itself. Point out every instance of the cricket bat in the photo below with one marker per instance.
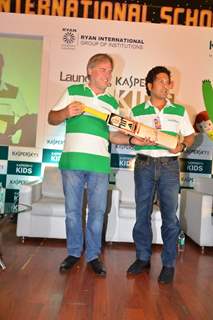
(135, 128)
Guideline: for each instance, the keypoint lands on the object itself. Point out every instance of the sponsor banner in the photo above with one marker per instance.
(197, 153)
(83, 38)
(10, 194)
(110, 42)
(122, 161)
(11, 200)
(187, 179)
(16, 181)
(128, 81)
(55, 141)
(3, 167)
(51, 156)
(134, 53)
(25, 154)
(3, 152)
(24, 168)
(201, 149)
(197, 166)
(196, 161)
(3, 180)
(189, 13)
(122, 149)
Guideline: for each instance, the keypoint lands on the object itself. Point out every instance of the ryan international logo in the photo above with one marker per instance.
(111, 42)
(69, 38)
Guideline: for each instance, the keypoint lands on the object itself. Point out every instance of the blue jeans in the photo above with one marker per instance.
(159, 175)
(74, 182)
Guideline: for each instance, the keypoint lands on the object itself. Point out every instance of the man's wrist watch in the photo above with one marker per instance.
(130, 141)
(184, 146)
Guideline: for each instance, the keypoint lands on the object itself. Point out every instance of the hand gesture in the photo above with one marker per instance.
(178, 148)
(73, 109)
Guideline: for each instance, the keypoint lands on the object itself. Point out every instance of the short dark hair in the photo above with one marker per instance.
(152, 74)
(99, 57)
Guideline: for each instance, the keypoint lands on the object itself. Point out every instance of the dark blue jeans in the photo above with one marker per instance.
(159, 175)
(74, 182)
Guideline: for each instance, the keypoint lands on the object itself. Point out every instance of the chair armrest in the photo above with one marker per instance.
(30, 192)
(113, 218)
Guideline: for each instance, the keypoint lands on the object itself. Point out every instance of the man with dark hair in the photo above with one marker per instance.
(85, 159)
(157, 170)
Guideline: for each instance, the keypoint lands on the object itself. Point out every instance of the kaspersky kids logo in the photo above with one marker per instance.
(24, 168)
(51, 156)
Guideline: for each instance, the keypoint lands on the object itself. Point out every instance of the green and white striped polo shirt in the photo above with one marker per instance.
(173, 119)
(87, 137)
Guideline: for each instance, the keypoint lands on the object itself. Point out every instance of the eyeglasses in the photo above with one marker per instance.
(103, 70)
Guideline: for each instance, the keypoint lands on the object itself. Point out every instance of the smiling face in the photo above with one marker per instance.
(160, 87)
(100, 76)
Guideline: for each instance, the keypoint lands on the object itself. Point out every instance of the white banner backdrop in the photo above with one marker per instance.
(68, 43)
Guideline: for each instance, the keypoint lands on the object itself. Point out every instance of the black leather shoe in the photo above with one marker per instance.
(68, 263)
(166, 275)
(98, 267)
(138, 266)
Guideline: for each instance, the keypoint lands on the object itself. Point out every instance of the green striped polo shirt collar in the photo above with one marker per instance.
(106, 92)
(149, 104)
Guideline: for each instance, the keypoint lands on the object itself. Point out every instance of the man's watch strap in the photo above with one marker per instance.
(130, 141)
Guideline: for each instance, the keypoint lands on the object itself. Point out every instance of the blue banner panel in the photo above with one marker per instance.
(51, 156)
(3, 180)
(24, 168)
(123, 161)
(3, 152)
(199, 166)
